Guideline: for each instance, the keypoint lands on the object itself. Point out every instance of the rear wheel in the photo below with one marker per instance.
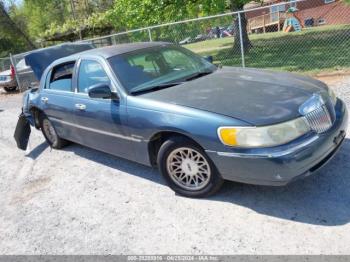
(187, 169)
(10, 89)
(50, 133)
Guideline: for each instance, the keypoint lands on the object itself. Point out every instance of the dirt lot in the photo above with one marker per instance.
(81, 201)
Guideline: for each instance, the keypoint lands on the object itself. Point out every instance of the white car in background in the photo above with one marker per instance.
(8, 80)
(25, 75)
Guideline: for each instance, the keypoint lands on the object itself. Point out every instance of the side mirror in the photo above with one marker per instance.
(100, 91)
(209, 58)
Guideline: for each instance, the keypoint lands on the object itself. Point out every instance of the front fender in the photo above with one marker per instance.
(146, 119)
(200, 127)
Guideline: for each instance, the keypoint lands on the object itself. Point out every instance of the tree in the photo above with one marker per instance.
(131, 14)
(237, 5)
(41, 14)
(49, 18)
(6, 22)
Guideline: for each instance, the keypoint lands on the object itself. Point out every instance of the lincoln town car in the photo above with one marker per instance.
(161, 105)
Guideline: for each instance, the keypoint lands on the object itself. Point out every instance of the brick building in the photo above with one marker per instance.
(310, 13)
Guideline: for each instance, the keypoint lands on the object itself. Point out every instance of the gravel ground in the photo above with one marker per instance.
(81, 201)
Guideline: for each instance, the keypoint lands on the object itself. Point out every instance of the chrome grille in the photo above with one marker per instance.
(320, 119)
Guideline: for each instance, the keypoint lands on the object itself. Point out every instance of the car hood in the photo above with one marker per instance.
(258, 97)
(5, 73)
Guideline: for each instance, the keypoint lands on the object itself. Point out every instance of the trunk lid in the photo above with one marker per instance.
(39, 60)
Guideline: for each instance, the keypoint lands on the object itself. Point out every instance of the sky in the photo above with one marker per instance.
(17, 2)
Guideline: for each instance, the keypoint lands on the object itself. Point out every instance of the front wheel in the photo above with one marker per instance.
(187, 169)
(50, 133)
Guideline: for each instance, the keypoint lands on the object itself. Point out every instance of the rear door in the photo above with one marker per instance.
(100, 121)
(57, 100)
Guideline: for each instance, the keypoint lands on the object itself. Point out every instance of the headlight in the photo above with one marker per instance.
(267, 136)
(333, 96)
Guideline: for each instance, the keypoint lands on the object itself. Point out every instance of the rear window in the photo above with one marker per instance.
(61, 77)
(21, 64)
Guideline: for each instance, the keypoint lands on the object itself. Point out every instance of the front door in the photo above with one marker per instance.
(100, 121)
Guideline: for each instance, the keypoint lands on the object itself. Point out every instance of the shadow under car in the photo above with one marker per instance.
(321, 199)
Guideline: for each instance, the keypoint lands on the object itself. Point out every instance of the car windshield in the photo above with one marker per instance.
(158, 67)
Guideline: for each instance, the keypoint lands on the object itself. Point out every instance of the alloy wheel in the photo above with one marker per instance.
(188, 168)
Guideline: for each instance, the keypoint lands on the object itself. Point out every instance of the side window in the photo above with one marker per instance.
(91, 73)
(61, 77)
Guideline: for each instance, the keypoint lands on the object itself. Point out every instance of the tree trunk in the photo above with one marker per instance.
(237, 38)
(236, 5)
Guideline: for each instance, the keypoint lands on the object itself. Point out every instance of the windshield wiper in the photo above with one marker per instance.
(154, 88)
(141, 90)
(198, 75)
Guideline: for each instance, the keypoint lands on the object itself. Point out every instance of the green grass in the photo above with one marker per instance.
(311, 51)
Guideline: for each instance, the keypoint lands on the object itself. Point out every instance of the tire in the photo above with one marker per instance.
(50, 133)
(10, 89)
(187, 169)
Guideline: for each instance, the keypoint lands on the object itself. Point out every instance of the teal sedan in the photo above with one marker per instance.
(161, 105)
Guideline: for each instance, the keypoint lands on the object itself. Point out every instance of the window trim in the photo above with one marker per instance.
(77, 72)
(49, 75)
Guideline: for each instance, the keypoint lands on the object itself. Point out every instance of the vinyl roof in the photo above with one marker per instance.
(40, 59)
(114, 50)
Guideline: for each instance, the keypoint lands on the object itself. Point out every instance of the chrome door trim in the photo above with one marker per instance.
(130, 138)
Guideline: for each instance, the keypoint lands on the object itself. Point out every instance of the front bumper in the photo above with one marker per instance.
(281, 165)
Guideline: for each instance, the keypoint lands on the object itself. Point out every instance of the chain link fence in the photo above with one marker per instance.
(24, 75)
(5, 64)
(299, 36)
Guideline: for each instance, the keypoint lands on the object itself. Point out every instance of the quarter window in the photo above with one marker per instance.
(61, 77)
(91, 73)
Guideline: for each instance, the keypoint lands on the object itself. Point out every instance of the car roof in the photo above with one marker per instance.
(41, 59)
(110, 51)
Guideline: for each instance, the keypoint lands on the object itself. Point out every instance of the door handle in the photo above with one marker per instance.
(44, 99)
(80, 106)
